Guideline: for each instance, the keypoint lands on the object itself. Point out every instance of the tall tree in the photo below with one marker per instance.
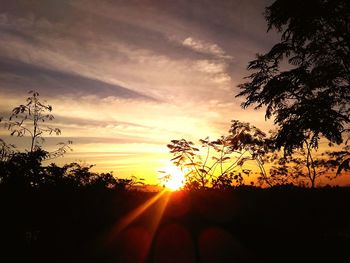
(30, 119)
(304, 80)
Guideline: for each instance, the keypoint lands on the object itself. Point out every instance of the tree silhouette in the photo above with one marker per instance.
(79, 176)
(219, 163)
(341, 159)
(24, 169)
(308, 97)
(6, 150)
(30, 119)
(301, 168)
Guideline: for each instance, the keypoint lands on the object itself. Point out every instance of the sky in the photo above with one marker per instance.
(126, 77)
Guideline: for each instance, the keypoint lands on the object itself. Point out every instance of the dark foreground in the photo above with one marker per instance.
(242, 225)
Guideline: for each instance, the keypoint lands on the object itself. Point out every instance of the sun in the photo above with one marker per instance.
(175, 178)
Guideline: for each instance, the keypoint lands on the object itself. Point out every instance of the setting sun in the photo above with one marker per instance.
(174, 178)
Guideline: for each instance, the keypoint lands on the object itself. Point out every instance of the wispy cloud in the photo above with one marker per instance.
(206, 48)
(20, 77)
(129, 76)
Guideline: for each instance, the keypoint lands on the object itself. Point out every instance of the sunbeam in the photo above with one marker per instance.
(162, 197)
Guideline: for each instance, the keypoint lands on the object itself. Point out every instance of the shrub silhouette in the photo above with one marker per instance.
(221, 164)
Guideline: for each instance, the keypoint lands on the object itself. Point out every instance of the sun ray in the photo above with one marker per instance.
(162, 197)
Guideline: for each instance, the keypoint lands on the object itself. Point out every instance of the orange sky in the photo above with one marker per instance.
(126, 77)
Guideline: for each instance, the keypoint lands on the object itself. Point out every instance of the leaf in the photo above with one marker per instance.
(175, 158)
(243, 160)
(345, 165)
(246, 171)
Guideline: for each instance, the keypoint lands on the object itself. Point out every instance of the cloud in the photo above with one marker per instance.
(125, 74)
(206, 48)
(92, 123)
(18, 76)
(52, 141)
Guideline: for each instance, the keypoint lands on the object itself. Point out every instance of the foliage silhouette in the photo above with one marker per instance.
(221, 163)
(64, 224)
(302, 168)
(26, 170)
(308, 98)
(29, 119)
(6, 150)
(23, 169)
(341, 158)
(60, 214)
